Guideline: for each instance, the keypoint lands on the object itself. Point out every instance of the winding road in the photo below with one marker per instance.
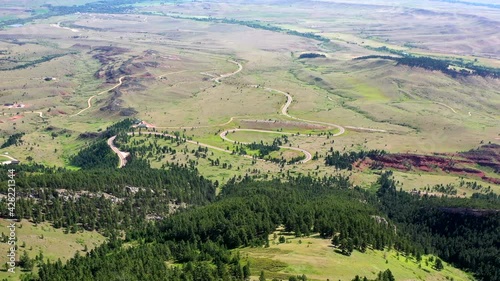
(89, 101)
(121, 154)
(289, 100)
(307, 154)
(120, 82)
(240, 68)
(284, 111)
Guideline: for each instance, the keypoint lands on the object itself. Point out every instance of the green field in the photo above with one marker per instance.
(315, 258)
(53, 243)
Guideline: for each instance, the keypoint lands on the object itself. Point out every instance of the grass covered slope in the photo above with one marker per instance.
(318, 260)
(44, 239)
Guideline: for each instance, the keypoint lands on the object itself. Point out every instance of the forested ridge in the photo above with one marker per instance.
(106, 200)
(464, 232)
(443, 65)
(246, 212)
(96, 156)
(243, 215)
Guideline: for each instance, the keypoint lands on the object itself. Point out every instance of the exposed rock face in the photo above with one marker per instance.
(487, 155)
(462, 163)
(114, 102)
(471, 212)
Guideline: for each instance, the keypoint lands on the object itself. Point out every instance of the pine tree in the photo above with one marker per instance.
(246, 271)
(262, 277)
(25, 262)
(439, 264)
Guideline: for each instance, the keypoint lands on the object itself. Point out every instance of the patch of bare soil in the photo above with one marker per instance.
(114, 102)
(431, 163)
(277, 124)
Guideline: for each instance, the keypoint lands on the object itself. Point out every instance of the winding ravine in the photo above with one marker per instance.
(89, 101)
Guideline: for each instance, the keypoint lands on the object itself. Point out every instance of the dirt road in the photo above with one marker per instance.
(284, 111)
(307, 154)
(122, 155)
(289, 100)
(89, 101)
(240, 68)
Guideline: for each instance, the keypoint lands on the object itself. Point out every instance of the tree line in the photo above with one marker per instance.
(204, 237)
(259, 25)
(345, 160)
(441, 65)
(13, 139)
(464, 232)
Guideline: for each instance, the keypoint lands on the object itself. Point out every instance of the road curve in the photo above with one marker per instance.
(39, 113)
(89, 101)
(121, 155)
(307, 154)
(240, 68)
(284, 111)
(289, 100)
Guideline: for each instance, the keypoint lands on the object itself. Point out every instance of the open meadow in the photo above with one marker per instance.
(318, 260)
(45, 241)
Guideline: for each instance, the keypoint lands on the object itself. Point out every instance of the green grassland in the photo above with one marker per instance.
(53, 243)
(315, 258)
